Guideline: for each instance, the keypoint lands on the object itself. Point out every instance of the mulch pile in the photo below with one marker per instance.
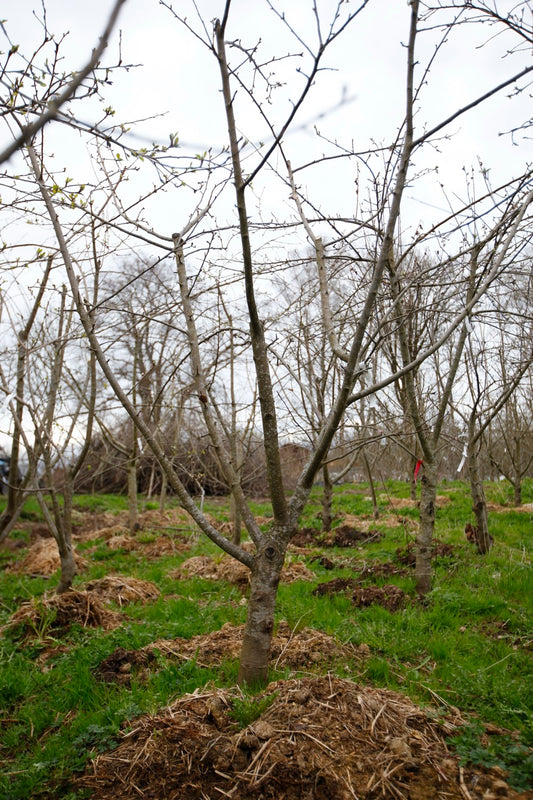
(228, 569)
(316, 739)
(58, 612)
(295, 649)
(121, 589)
(42, 559)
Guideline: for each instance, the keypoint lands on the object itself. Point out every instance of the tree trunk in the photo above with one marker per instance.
(413, 480)
(327, 499)
(235, 518)
(375, 507)
(424, 539)
(133, 512)
(163, 493)
(68, 563)
(255, 654)
(479, 502)
(517, 491)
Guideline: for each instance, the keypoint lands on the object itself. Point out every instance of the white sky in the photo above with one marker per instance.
(178, 78)
(176, 89)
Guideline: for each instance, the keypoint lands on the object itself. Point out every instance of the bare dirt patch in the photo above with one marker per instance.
(122, 664)
(389, 596)
(347, 536)
(319, 739)
(407, 555)
(335, 586)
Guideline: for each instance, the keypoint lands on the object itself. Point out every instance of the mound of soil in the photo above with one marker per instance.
(407, 555)
(305, 537)
(294, 649)
(346, 536)
(120, 665)
(389, 596)
(59, 611)
(42, 559)
(319, 739)
(123, 590)
(336, 586)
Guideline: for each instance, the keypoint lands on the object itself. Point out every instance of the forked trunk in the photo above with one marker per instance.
(255, 653)
(424, 539)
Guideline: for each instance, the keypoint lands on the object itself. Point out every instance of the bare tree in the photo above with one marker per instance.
(203, 250)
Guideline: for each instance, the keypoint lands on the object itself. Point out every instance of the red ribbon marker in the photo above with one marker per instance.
(417, 468)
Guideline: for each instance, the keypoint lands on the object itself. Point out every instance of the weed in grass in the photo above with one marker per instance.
(473, 746)
(246, 709)
(378, 671)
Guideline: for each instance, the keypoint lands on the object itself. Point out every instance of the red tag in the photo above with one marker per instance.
(417, 468)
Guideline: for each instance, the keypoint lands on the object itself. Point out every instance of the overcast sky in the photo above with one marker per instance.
(177, 78)
(357, 100)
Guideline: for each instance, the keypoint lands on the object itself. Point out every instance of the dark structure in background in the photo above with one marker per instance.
(4, 472)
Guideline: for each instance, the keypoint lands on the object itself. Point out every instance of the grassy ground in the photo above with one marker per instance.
(467, 645)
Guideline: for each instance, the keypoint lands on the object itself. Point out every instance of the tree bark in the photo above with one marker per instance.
(424, 539)
(133, 511)
(255, 653)
(327, 498)
(371, 486)
(479, 502)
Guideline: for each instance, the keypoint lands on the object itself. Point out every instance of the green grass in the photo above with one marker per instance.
(468, 645)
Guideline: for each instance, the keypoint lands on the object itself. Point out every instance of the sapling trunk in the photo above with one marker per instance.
(255, 653)
(424, 539)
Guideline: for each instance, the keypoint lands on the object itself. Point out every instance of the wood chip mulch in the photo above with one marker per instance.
(320, 738)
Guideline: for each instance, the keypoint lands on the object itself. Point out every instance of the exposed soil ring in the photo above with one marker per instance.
(407, 555)
(389, 596)
(59, 612)
(295, 649)
(319, 739)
